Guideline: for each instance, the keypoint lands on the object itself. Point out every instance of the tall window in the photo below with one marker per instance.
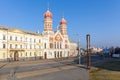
(45, 45)
(15, 46)
(20, 46)
(21, 38)
(4, 46)
(10, 45)
(60, 46)
(30, 53)
(26, 53)
(26, 46)
(21, 54)
(30, 40)
(10, 37)
(66, 46)
(34, 40)
(55, 54)
(55, 45)
(16, 38)
(4, 37)
(51, 45)
(34, 47)
(39, 41)
(39, 47)
(35, 54)
(26, 39)
(30, 46)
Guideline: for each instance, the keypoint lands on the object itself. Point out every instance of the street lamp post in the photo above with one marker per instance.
(79, 49)
(79, 55)
(88, 51)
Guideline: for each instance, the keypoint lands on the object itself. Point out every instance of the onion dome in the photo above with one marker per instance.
(48, 14)
(63, 21)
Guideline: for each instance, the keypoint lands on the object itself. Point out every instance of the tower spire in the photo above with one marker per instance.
(48, 20)
(48, 7)
(62, 16)
(63, 28)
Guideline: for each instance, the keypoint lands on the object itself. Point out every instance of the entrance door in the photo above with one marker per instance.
(45, 55)
(16, 56)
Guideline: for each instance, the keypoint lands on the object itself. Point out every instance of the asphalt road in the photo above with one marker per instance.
(93, 58)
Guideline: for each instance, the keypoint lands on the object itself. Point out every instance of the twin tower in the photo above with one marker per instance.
(48, 23)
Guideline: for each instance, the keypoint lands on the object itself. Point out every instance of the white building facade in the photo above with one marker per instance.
(56, 43)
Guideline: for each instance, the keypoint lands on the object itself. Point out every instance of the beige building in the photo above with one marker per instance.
(16, 44)
(96, 50)
(73, 48)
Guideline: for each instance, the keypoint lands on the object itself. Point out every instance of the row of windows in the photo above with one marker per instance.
(26, 54)
(30, 54)
(21, 46)
(56, 45)
(56, 53)
(21, 39)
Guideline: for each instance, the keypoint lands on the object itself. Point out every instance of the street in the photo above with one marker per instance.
(44, 70)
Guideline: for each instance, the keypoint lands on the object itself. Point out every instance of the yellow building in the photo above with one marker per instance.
(16, 44)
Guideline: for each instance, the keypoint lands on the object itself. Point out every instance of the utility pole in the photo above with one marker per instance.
(79, 49)
(79, 55)
(88, 50)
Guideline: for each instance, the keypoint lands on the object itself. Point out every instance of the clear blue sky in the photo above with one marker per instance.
(99, 18)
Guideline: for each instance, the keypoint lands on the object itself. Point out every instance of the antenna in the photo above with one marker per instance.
(63, 15)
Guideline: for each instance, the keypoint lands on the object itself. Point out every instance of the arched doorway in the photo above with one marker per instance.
(45, 55)
(16, 56)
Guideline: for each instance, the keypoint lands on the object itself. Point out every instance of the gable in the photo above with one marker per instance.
(58, 37)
